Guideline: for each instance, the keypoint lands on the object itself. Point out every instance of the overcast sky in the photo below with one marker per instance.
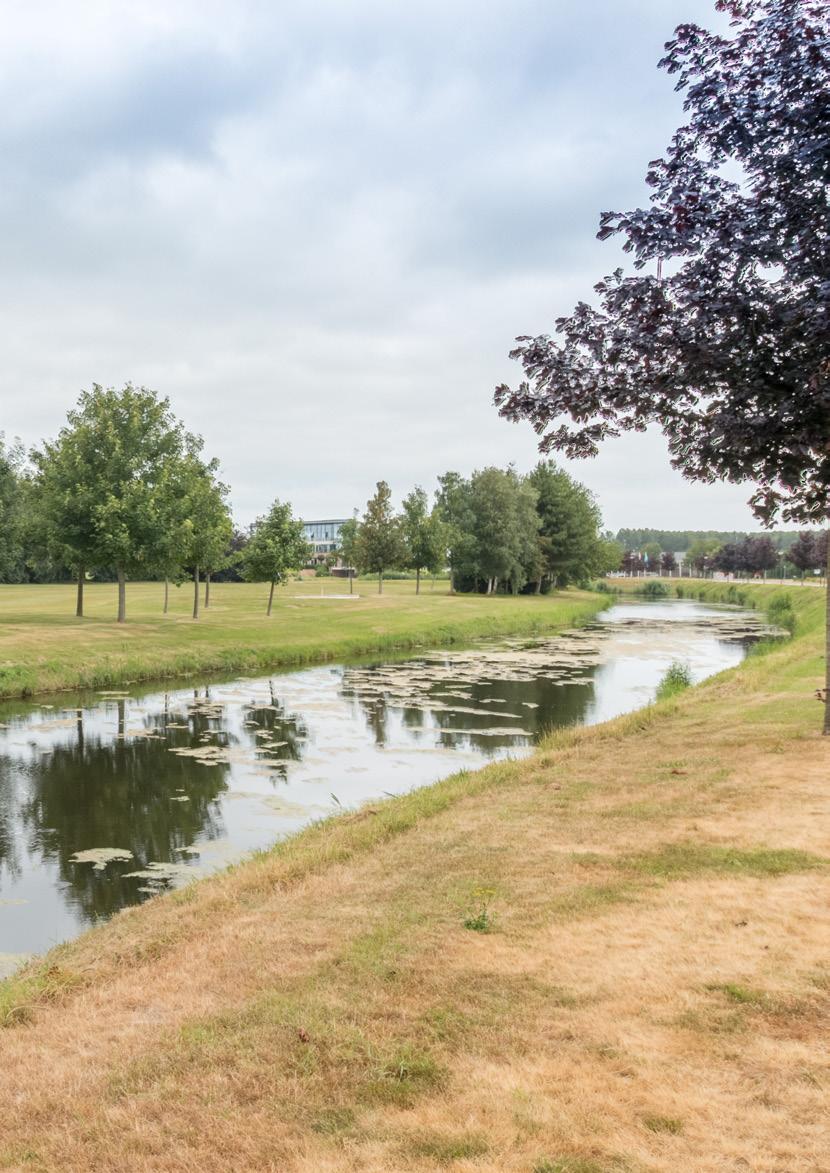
(318, 226)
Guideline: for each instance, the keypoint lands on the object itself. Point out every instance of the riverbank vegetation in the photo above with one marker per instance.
(648, 994)
(43, 647)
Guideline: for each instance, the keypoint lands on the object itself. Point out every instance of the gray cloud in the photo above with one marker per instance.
(318, 227)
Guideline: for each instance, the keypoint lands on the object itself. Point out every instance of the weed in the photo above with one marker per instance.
(480, 919)
(678, 677)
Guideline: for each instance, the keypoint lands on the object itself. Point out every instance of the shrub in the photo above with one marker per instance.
(780, 612)
(678, 677)
(653, 589)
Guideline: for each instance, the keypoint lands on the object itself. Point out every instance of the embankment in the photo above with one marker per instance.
(650, 992)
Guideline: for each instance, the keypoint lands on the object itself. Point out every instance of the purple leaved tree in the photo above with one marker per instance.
(729, 350)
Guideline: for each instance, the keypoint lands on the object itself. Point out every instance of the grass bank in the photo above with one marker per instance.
(44, 648)
(649, 991)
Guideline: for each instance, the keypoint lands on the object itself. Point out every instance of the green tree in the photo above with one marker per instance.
(347, 547)
(12, 510)
(424, 536)
(453, 507)
(379, 540)
(505, 529)
(701, 554)
(609, 556)
(205, 521)
(276, 548)
(105, 482)
(569, 526)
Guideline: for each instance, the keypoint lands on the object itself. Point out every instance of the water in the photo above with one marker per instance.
(108, 798)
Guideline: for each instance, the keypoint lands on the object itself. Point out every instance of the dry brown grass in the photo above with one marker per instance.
(652, 995)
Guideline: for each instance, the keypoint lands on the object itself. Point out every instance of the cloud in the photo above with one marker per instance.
(318, 227)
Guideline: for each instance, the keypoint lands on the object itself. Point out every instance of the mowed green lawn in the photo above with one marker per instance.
(44, 647)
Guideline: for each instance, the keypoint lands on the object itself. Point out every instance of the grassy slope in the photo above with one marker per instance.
(44, 647)
(651, 995)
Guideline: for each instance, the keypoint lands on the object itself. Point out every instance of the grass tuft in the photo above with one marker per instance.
(666, 1124)
(681, 860)
(445, 1150)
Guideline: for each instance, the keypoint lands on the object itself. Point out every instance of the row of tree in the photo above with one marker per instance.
(750, 556)
(496, 531)
(126, 491)
(678, 541)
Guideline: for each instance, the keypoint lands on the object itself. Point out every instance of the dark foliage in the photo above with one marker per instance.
(728, 352)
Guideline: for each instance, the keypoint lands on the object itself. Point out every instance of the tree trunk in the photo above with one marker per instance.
(351, 582)
(195, 592)
(122, 596)
(207, 589)
(537, 590)
(827, 647)
(270, 598)
(380, 582)
(166, 595)
(79, 606)
(418, 581)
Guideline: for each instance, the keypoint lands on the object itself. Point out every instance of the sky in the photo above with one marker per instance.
(317, 227)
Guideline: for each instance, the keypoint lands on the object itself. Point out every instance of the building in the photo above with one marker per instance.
(323, 536)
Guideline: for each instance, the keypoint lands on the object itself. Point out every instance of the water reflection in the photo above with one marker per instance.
(183, 781)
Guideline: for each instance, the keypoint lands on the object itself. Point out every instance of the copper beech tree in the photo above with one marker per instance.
(722, 335)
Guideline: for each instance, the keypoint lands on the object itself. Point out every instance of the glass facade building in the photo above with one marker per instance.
(323, 536)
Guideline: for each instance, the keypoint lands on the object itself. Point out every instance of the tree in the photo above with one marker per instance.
(504, 530)
(11, 510)
(347, 547)
(702, 554)
(609, 556)
(632, 563)
(652, 555)
(454, 509)
(105, 482)
(802, 553)
(276, 548)
(726, 351)
(760, 555)
(729, 559)
(379, 539)
(205, 521)
(668, 563)
(569, 522)
(424, 536)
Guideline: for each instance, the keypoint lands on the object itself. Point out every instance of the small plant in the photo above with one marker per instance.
(654, 589)
(678, 677)
(480, 919)
(780, 613)
(667, 1124)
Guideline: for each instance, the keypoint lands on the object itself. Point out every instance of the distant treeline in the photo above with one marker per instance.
(678, 541)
